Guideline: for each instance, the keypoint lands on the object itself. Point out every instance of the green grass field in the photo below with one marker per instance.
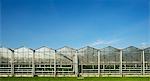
(75, 79)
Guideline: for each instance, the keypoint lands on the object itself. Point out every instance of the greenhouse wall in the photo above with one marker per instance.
(67, 61)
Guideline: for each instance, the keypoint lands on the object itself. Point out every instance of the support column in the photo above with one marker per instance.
(114, 67)
(55, 63)
(120, 62)
(76, 64)
(33, 63)
(103, 67)
(143, 62)
(82, 69)
(12, 64)
(98, 63)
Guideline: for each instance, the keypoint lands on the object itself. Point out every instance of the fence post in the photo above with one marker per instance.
(120, 62)
(98, 63)
(143, 61)
(12, 63)
(33, 63)
(55, 63)
(76, 64)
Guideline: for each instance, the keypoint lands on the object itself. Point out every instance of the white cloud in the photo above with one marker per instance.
(144, 45)
(103, 42)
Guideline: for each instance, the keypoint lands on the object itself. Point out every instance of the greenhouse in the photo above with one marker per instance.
(88, 60)
(146, 61)
(44, 61)
(67, 61)
(22, 61)
(109, 60)
(6, 61)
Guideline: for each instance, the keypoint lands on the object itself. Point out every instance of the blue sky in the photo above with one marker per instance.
(75, 23)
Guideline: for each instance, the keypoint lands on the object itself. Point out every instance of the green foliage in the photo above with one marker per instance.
(76, 79)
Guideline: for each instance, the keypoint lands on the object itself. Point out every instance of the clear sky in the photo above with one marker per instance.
(74, 23)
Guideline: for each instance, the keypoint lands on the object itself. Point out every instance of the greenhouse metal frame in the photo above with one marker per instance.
(67, 61)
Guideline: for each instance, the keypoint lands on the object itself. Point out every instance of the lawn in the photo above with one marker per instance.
(76, 79)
